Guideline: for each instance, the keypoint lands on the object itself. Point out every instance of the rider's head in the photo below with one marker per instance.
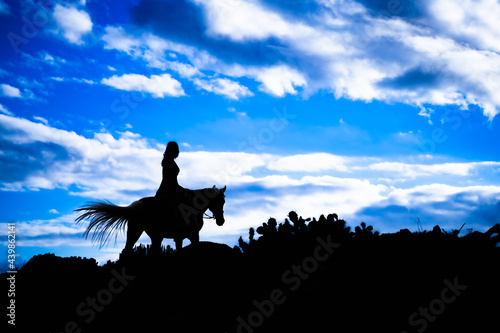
(172, 150)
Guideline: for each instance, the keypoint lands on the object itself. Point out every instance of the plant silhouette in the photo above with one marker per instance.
(395, 282)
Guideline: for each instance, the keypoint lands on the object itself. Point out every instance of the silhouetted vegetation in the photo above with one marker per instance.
(300, 275)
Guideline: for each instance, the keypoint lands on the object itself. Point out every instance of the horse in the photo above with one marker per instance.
(153, 216)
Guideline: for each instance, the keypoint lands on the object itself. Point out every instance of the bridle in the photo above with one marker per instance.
(215, 214)
(206, 216)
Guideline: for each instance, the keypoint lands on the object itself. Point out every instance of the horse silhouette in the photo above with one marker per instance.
(157, 219)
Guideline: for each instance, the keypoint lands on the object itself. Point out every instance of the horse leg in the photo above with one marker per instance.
(156, 245)
(178, 244)
(134, 231)
(195, 238)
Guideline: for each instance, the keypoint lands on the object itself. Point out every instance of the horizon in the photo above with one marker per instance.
(382, 112)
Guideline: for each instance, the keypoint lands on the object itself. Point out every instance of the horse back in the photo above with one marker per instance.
(157, 208)
(148, 201)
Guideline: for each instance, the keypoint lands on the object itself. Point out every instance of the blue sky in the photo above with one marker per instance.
(379, 111)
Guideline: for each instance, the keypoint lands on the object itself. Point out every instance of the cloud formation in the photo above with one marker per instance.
(396, 51)
(72, 22)
(10, 91)
(158, 86)
(126, 168)
(223, 86)
(6, 111)
(251, 53)
(38, 156)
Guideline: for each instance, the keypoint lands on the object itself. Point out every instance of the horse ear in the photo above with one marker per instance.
(224, 189)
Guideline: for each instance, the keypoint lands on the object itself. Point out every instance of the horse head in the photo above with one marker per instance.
(216, 203)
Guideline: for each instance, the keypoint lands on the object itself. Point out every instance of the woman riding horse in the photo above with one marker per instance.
(175, 212)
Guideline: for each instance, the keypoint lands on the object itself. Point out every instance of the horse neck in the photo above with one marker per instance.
(202, 198)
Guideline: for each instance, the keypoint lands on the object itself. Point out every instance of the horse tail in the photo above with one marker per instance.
(106, 219)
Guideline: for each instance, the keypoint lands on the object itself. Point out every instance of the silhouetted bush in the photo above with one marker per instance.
(367, 281)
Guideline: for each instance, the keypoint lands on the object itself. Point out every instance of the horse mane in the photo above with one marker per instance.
(212, 189)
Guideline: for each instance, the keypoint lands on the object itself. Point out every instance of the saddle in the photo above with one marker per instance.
(172, 201)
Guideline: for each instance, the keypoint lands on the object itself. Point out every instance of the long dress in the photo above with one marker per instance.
(170, 190)
(173, 195)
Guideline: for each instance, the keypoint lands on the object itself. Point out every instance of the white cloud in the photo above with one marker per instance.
(117, 39)
(310, 163)
(222, 86)
(407, 170)
(131, 154)
(9, 91)
(98, 166)
(74, 23)
(426, 112)
(49, 227)
(243, 20)
(338, 49)
(87, 81)
(476, 72)
(239, 113)
(431, 193)
(474, 21)
(6, 111)
(59, 231)
(280, 80)
(224, 168)
(276, 80)
(41, 119)
(62, 79)
(184, 70)
(48, 58)
(154, 50)
(158, 86)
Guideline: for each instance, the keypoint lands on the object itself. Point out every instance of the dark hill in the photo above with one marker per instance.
(297, 277)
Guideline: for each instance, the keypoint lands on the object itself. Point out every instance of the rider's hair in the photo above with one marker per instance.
(172, 150)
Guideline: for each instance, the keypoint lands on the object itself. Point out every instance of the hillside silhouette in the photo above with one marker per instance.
(302, 275)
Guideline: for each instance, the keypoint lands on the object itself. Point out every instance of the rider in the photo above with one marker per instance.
(169, 187)
(170, 191)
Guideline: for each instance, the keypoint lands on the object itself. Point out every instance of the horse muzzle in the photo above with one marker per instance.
(219, 221)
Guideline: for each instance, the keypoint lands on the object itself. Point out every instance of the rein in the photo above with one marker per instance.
(192, 196)
(206, 216)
